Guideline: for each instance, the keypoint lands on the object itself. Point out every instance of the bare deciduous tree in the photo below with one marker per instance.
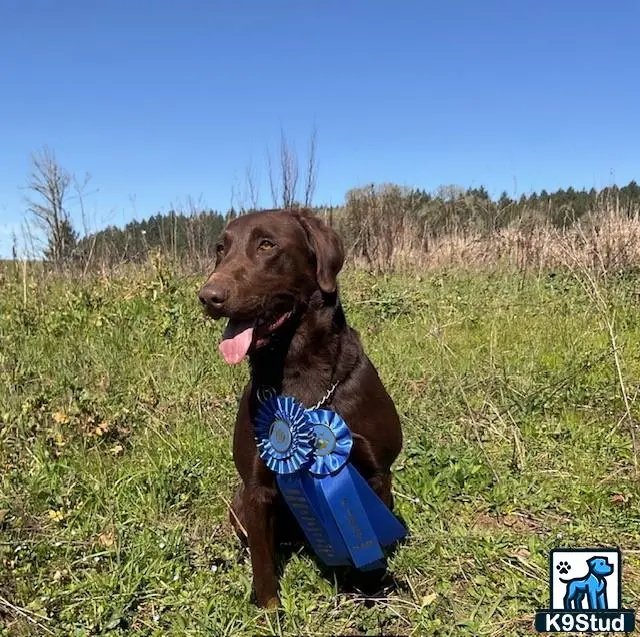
(288, 172)
(246, 197)
(312, 170)
(49, 183)
(234, 200)
(284, 186)
(274, 186)
(253, 186)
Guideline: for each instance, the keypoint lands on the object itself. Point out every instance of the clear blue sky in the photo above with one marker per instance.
(163, 99)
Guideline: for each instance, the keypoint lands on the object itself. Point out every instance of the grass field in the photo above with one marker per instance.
(115, 457)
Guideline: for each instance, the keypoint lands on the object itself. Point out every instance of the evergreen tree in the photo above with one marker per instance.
(64, 245)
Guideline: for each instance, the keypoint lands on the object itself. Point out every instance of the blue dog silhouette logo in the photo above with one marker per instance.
(592, 587)
(586, 593)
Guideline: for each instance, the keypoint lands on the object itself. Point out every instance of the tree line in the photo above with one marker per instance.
(375, 220)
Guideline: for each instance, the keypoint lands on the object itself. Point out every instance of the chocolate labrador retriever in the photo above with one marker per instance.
(275, 280)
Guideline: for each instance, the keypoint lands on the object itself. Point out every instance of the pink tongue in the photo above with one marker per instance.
(236, 341)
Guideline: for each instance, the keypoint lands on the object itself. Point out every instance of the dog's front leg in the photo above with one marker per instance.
(259, 511)
(381, 484)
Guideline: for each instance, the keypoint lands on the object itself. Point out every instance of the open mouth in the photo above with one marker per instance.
(240, 336)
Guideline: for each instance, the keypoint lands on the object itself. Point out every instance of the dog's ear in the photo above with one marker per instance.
(328, 250)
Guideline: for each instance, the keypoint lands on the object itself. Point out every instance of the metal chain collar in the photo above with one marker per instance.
(265, 393)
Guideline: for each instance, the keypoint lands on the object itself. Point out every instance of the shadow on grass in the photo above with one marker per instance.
(370, 585)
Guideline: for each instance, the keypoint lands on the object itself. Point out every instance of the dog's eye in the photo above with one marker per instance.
(219, 249)
(265, 244)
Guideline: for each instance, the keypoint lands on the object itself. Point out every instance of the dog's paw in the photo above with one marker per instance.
(563, 567)
(273, 603)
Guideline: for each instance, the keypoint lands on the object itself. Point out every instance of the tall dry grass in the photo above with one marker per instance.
(606, 239)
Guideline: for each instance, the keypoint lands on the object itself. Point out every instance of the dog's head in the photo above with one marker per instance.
(600, 566)
(268, 265)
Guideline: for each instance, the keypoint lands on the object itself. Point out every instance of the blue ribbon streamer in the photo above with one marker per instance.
(343, 501)
(341, 516)
(310, 511)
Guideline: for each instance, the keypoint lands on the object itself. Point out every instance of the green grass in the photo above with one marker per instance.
(115, 456)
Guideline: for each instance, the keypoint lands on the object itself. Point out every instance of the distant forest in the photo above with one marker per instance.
(369, 217)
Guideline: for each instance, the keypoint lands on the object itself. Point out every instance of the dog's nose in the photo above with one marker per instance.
(213, 294)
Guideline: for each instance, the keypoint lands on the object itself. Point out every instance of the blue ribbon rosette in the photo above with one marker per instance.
(343, 519)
